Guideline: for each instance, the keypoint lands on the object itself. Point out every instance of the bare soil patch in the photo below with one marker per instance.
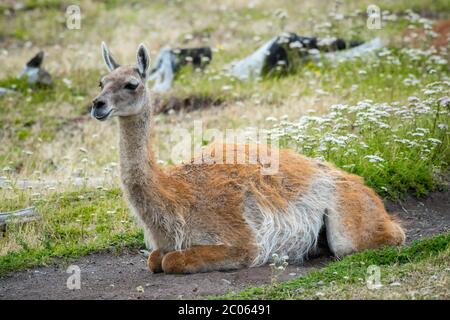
(423, 217)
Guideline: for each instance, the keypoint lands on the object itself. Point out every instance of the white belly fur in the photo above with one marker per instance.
(293, 232)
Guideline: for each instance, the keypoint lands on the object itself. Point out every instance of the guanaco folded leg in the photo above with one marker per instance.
(154, 261)
(206, 258)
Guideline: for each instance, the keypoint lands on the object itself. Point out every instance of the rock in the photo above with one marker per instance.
(290, 50)
(34, 72)
(140, 289)
(169, 62)
(145, 253)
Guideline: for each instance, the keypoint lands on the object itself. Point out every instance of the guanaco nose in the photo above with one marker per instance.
(98, 103)
(99, 109)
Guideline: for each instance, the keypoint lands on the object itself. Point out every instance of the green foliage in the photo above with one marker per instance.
(72, 224)
(396, 148)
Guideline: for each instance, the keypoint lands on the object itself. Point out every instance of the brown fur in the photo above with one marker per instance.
(210, 197)
(364, 215)
(154, 261)
(203, 258)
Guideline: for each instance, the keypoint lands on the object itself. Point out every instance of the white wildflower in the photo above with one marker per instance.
(374, 159)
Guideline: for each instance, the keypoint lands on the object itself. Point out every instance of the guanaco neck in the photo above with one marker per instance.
(138, 169)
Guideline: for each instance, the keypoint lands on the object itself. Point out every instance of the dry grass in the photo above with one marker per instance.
(73, 54)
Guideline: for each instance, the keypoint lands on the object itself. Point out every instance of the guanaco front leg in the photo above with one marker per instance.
(206, 258)
(154, 261)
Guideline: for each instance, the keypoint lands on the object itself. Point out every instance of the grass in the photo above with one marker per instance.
(419, 271)
(72, 224)
(396, 148)
(46, 134)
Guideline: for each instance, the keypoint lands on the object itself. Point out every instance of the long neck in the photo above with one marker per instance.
(134, 140)
(137, 167)
(144, 182)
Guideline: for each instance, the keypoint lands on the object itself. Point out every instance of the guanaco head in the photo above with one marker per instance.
(124, 89)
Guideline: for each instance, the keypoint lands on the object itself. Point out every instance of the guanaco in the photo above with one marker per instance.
(216, 216)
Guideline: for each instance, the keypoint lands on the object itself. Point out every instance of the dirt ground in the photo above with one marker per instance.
(124, 276)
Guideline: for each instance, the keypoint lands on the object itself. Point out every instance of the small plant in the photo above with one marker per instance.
(277, 267)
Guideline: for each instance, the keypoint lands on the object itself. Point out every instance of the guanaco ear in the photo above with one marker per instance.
(143, 60)
(111, 64)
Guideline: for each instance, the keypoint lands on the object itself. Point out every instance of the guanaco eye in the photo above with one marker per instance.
(131, 85)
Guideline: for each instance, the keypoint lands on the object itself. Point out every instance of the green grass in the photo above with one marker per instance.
(42, 4)
(380, 79)
(29, 258)
(346, 278)
(396, 148)
(437, 8)
(36, 114)
(72, 224)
